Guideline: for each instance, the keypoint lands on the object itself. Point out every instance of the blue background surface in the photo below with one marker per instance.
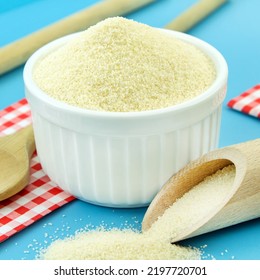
(233, 29)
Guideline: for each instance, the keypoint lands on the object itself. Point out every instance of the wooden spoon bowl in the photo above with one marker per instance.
(15, 153)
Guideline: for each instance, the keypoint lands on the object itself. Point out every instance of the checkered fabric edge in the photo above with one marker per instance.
(41, 196)
(248, 102)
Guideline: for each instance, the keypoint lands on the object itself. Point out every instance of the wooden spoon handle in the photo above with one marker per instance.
(194, 14)
(17, 53)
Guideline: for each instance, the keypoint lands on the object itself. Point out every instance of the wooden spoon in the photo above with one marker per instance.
(15, 153)
(242, 201)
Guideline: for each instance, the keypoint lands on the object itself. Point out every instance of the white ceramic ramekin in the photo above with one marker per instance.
(122, 159)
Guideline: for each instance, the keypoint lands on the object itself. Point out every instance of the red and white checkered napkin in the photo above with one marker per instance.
(248, 102)
(41, 196)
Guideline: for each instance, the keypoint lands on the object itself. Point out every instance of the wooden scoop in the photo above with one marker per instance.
(242, 202)
(15, 153)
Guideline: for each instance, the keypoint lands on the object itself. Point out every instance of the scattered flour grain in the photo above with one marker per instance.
(122, 65)
(116, 245)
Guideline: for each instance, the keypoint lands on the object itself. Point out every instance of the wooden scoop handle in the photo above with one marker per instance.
(17, 53)
(243, 203)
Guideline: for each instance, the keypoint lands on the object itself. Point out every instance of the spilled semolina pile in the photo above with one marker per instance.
(116, 244)
(155, 243)
(120, 65)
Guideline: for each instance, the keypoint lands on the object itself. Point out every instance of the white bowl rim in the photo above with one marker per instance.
(211, 51)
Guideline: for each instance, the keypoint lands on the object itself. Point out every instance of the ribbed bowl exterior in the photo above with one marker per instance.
(120, 171)
(122, 159)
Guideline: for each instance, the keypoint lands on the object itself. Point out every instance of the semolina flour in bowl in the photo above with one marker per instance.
(120, 65)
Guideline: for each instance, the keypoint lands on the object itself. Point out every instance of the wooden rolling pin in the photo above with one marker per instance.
(241, 204)
(18, 52)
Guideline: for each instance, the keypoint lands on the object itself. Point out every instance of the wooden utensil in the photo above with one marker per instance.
(16, 53)
(15, 153)
(242, 202)
(194, 14)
